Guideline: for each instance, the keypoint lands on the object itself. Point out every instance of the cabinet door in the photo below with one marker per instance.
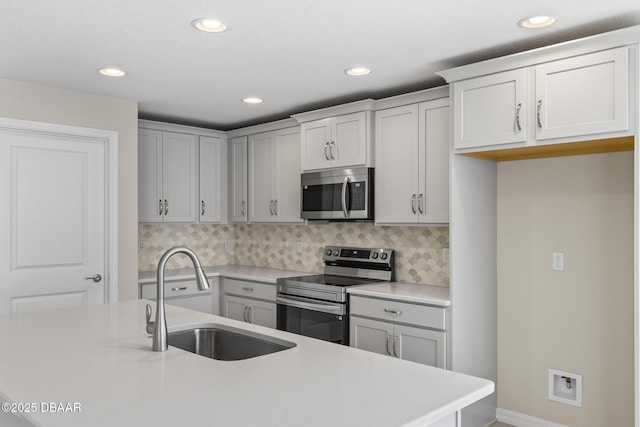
(235, 308)
(371, 335)
(420, 345)
(149, 176)
(210, 209)
(261, 174)
(263, 313)
(287, 175)
(316, 136)
(396, 138)
(583, 95)
(433, 196)
(239, 179)
(179, 177)
(348, 146)
(490, 110)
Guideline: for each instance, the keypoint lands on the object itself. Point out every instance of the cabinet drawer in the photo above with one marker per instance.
(171, 289)
(265, 291)
(401, 312)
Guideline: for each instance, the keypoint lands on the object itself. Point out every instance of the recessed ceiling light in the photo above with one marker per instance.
(209, 25)
(357, 71)
(537, 21)
(252, 100)
(112, 72)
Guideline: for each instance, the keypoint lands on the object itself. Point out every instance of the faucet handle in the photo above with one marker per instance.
(150, 324)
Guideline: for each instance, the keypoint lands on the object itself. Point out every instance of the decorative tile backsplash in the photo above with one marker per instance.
(418, 249)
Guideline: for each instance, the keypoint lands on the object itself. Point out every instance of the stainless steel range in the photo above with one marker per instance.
(317, 305)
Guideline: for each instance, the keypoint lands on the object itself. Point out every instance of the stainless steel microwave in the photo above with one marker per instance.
(337, 195)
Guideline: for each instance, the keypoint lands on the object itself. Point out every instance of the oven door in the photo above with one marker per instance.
(316, 319)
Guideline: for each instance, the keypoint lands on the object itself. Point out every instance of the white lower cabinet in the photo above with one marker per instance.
(249, 310)
(251, 302)
(182, 293)
(380, 326)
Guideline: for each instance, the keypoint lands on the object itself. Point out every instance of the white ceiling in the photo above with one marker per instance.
(292, 53)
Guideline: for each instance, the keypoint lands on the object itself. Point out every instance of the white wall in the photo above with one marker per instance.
(26, 101)
(580, 319)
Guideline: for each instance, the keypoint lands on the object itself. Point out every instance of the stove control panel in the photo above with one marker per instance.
(343, 253)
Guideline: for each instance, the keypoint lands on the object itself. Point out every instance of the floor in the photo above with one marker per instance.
(499, 424)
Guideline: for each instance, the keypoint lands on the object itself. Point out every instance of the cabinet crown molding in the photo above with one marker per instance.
(170, 127)
(339, 110)
(604, 41)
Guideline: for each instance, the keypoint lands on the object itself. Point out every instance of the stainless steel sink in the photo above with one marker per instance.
(225, 343)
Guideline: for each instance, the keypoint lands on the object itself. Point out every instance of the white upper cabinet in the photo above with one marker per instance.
(181, 174)
(340, 141)
(167, 177)
(490, 110)
(412, 163)
(274, 176)
(150, 203)
(238, 154)
(566, 100)
(211, 179)
(583, 95)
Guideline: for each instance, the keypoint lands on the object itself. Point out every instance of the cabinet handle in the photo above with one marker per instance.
(160, 205)
(413, 203)
(326, 146)
(395, 351)
(244, 314)
(331, 145)
(275, 207)
(518, 128)
(202, 202)
(181, 288)
(538, 110)
(247, 288)
(420, 202)
(242, 205)
(398, 312)
(388, 340)
(249, 314)
(166, 207)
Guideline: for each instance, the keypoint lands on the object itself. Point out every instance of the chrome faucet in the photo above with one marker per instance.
(158, 329)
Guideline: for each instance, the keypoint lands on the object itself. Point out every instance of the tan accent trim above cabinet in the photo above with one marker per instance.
(557, 150)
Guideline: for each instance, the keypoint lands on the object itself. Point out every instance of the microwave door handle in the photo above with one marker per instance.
(345, 208)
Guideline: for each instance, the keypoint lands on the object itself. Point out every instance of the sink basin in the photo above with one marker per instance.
(225, 343)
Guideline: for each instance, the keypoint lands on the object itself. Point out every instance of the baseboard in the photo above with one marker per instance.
(521, 420)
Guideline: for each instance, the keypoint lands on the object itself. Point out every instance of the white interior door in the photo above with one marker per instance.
(52, 221)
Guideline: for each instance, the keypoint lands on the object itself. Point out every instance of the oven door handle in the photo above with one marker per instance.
(326, 308)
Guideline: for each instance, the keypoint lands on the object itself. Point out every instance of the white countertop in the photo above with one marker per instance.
(240, 272)
(408, 292)
(100, 357)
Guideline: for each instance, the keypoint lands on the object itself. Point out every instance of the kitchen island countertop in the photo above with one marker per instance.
(100, 358)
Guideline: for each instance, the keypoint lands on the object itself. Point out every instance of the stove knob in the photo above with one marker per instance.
(374, 255)
(383, 256)
(327, 252)
(335, 252)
